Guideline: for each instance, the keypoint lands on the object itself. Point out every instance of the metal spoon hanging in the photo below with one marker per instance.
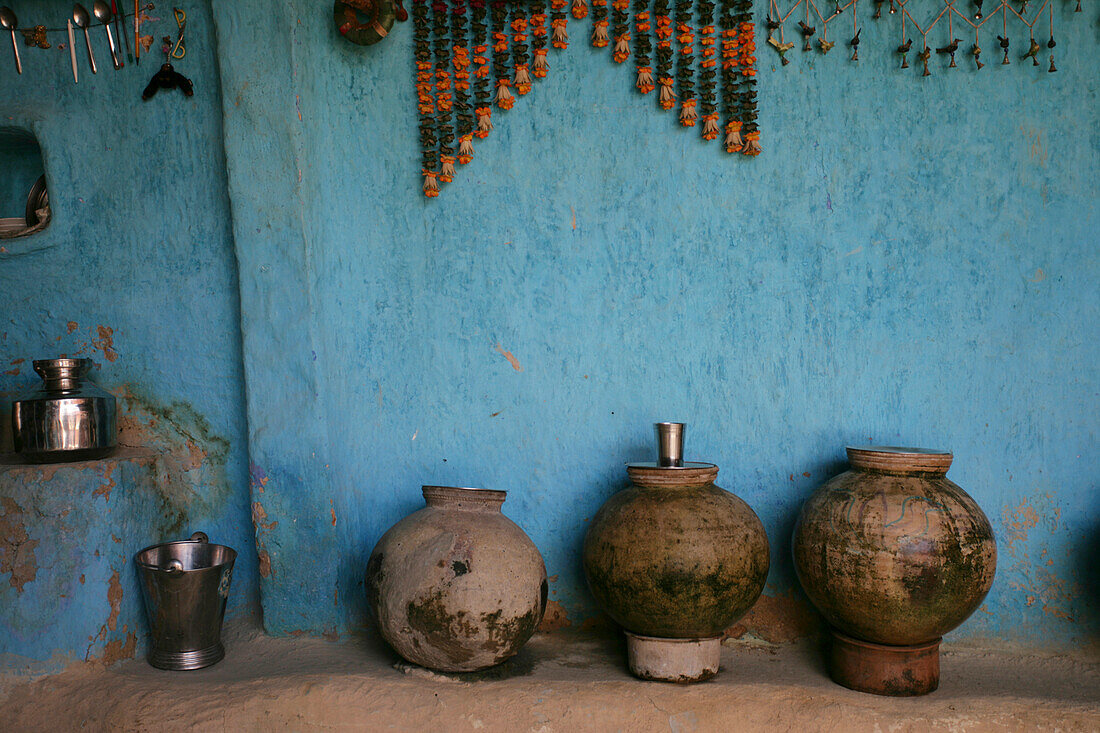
(103, 15)
(9, 23)
(81, 20)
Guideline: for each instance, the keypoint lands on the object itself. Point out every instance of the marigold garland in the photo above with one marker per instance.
(461, 61)
(482, 102)
(642, 47)
(707, 74)
(425, 103)
(685, 67)
(559, 33)
(662, 31)
(621, 23)
(600, 38)
(504, 97)
(539, 64)
(747, 77)
(730, 62)
(522, 78)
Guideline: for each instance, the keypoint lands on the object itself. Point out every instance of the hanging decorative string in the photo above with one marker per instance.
(643, 45)
(685, 65)
(559, 37)
(443, 98)
(468, 55)
(599, 23)
(731, 98)
(707, 63)
(422, 52)
(504, 98)
(482, 105)
(621, 22)
(663, 32)
(746, 66)
(540, 65)
(522, 79)
(950, 15)
(463, 113)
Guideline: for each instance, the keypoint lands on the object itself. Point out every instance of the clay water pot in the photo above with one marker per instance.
(456, 586)
(894, 555)
(675, 561)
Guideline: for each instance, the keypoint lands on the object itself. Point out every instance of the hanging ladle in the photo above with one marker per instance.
(103, 14)
(81, 20)
(9, 23)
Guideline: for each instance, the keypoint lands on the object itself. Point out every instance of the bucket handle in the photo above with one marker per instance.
(200, 537)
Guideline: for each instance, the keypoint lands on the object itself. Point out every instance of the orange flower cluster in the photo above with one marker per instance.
(538, 30)
(686, 38)
(622, 48)
(484, 122)
(739, 49)
(425, 105)
(580, 9)
(462, 68)
(706, 40)
(505, 100)
(752, 143)
(710, 126)
(559, 36)
(664, 31)
(500, 42)
(734, 142)
(748, 51)
(482, 61)
(667, 98)
(443, 89)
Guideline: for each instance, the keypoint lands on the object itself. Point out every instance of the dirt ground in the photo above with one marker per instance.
(559, 682)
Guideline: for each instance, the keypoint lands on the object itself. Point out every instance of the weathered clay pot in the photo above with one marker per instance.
(894, 554)
(674, 557)
(456, 586)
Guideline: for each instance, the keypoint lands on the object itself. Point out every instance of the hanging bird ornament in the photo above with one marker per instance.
(924, 56)
(1032, 53)
(903, 49)
(854, 43)
(976, 52)
(1003, 40)
(950, 49)
(807, 34)
(782, 48)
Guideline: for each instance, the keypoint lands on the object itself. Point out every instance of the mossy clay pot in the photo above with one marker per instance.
(891, 551)
(673, 555)
(456, 586)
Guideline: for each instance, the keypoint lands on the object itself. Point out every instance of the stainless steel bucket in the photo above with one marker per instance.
(185, 585)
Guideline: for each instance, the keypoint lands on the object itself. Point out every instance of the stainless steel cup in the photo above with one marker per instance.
(670, 444)
(185, 586)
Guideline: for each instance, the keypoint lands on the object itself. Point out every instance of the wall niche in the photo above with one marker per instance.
(24, 201)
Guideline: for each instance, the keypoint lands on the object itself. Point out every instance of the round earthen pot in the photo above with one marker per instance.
(891, 551)
(456, 586)
(674, 556)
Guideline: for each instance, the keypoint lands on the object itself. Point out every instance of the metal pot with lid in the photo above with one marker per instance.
(68, 418)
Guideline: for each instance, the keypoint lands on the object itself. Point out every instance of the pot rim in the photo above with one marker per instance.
(899, 458)
(231, 554)
(463, 493)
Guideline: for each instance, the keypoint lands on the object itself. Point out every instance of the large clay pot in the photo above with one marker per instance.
(675, 560)
(456, 586)
(893, 553)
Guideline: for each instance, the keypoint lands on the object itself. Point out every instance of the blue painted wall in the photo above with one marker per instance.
(136, 272)
(911, 261)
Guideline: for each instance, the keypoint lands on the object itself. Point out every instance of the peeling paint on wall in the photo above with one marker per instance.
(16, 547)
